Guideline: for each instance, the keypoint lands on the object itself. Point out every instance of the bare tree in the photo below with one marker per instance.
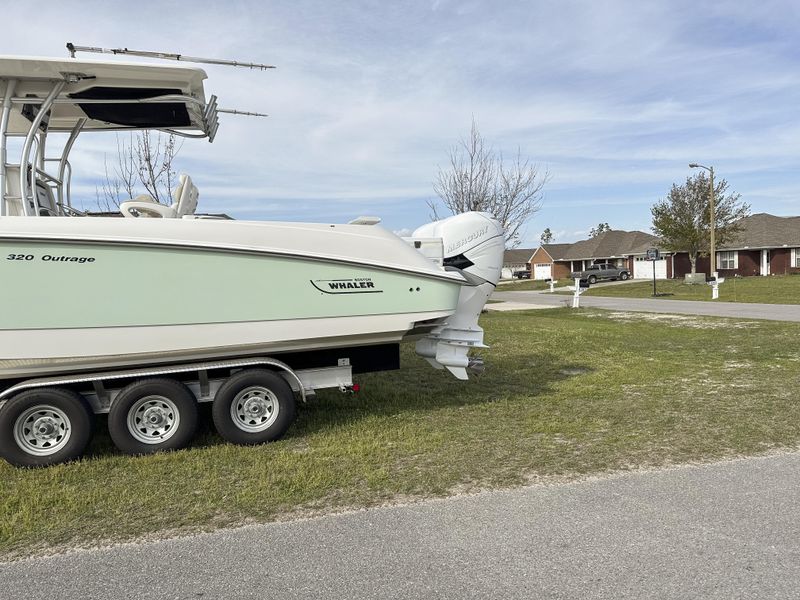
(144, 160)
(478, 179)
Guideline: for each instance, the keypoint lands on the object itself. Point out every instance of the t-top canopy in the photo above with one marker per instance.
(108, 94)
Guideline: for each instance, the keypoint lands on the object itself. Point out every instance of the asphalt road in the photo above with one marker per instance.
(726, 530)
(742, 310)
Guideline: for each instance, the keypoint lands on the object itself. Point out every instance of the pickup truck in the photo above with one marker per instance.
(601, 271)
(522, 274)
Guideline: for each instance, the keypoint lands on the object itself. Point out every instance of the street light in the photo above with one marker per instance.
(712, 256)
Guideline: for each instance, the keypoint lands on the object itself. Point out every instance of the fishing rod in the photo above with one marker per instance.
(167, 56)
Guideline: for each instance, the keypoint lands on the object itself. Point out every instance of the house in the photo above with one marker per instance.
(767, 245)
(625, 249)
(518, 259)
(543, 262)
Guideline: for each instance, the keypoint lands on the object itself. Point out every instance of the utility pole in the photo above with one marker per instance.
(712, 257)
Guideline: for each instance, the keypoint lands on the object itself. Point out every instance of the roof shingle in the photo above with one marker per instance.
(763, 230)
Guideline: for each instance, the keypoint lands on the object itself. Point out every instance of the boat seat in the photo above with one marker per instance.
(185, 203)
(44, 196)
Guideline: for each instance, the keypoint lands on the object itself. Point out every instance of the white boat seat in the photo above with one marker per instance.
(185, 199)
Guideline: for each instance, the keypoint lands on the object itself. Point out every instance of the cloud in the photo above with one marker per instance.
(613, 98)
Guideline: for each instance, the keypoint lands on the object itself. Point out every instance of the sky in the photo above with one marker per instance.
(612, 98)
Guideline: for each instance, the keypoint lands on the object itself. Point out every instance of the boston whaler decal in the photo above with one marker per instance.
(355, 285)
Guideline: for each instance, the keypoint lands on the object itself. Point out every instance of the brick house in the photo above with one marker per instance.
(767, 245)
(625, 249)
(544, 265)
(518, 259)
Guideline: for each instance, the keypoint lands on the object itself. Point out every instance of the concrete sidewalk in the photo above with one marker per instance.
(723, 530)
(742, 310)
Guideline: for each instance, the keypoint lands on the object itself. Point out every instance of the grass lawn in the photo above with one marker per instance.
(566, 393)
(527, 285)
(775, 289)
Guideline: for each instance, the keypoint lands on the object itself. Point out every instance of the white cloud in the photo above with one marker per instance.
(614, 98)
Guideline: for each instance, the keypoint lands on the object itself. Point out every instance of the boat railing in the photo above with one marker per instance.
(32, 163)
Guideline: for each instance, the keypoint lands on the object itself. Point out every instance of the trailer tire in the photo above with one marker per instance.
(253, 406)
(45, 426)
(151, 415)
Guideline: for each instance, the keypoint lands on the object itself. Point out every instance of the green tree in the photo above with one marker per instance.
(547, 237)
(601, 228)
(682, 219)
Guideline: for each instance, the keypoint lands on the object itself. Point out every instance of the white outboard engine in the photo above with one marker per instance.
(473, 245)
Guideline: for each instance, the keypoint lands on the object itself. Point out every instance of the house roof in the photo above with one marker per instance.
(763, 230)
(518, 256)
(555, 250)
(609, 244)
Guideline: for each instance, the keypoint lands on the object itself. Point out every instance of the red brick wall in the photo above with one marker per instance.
(683, 266)
(780, 262)
(539, 257)
(749, 265)
(561, 270)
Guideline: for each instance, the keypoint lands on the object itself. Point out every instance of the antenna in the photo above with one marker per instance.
(233, 111)
(166, 56)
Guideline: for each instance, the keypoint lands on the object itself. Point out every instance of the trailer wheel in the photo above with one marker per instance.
(151, 415)
(45, 426)
(253, 406)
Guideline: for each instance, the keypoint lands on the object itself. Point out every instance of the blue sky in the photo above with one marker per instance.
(613, 98)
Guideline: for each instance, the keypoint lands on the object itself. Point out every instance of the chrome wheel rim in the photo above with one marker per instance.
(254, 409)
(42, 430)
(153, 419)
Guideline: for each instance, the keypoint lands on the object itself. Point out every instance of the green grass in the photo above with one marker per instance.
(775, 289)
(566, 393)
(527, 285)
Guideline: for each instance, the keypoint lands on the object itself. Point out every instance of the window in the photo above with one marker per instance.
(728, 260)
(795, 258)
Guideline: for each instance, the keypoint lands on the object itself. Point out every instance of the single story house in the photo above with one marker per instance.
(544, 265)
(625, 249)
(767, 245)
(518, 259)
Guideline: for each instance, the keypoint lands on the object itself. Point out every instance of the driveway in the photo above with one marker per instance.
(724, 530)
(742, 310)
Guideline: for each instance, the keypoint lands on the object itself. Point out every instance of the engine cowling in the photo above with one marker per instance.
(473, 244)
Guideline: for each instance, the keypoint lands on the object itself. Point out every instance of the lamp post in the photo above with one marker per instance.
(712, 256)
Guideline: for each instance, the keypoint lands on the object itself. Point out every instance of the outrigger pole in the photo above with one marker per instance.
(167, 56)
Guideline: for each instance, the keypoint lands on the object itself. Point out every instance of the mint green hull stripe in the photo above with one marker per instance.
(59, 285)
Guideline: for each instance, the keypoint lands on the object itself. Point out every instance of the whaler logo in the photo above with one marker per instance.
(473, 236)
(359, 285)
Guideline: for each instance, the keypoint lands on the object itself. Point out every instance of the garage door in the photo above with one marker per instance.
(643, 269)
(542, 271)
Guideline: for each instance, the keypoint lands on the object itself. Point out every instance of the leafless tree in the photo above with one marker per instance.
(144, 160)
(478, 179)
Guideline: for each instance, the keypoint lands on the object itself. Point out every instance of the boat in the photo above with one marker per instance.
(91, 299)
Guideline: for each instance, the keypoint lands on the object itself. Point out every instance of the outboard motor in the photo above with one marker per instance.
(473, 245)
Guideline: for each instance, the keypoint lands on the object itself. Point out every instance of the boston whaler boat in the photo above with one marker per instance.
(145, 315)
